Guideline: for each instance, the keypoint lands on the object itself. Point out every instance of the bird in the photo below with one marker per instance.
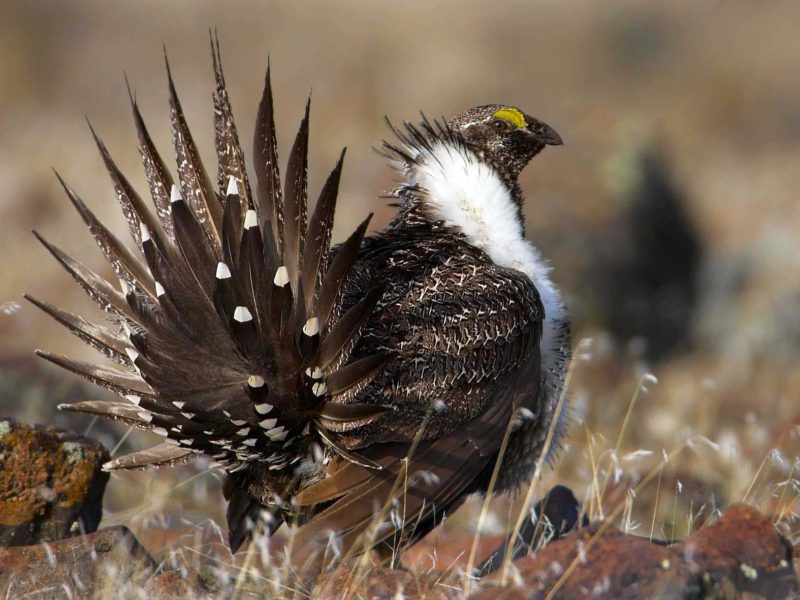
(648, 287)
(359, 391)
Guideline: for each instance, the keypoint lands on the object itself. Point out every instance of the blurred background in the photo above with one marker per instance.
(670, 215)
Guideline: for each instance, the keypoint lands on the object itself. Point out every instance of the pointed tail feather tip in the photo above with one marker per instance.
(233, 187)
(223, 271)
(281, 276)
(144, 232)
(250, 219)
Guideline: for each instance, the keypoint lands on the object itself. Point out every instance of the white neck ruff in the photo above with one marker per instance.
(469, 196)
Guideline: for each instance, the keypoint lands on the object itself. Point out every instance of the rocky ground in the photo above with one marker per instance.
(51, 489)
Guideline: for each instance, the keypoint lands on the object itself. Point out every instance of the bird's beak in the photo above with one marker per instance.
(547, 135)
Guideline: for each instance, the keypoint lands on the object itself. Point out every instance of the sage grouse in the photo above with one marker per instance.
(364, 389)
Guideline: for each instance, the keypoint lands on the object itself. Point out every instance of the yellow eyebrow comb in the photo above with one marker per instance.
(512, 115)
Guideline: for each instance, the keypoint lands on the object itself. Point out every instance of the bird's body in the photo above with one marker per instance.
(466, 297)
(339, 388)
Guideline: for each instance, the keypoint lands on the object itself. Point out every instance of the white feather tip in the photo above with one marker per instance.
(311, 327)
(281, 277)
(242, 315)
(250, 219)
(233, 187)
(223, 272)
(255, 381)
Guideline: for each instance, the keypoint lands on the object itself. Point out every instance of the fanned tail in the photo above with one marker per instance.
(227, 336)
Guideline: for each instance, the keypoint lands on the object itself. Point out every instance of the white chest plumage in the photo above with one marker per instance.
(469, 196)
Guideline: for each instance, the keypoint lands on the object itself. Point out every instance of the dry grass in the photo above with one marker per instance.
(659, 486)
(722, 422)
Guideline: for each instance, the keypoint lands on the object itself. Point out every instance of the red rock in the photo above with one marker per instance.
(741, 554)
(86, 566)
(176, 584)
(445, 550)
(380, 584)
(742, 550)
(797, 561)
(51, 483)
(507, 593)
(605, 563)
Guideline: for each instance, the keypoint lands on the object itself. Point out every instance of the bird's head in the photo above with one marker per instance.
(504, 136)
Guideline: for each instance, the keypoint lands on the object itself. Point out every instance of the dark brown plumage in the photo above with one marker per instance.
(330, 383)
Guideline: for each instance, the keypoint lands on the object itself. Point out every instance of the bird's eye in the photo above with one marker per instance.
(500, 124)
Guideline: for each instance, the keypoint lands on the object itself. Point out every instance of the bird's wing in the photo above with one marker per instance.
(475, 342)
(458, 326)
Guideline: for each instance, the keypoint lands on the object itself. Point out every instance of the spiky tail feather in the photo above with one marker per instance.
(226, 334)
